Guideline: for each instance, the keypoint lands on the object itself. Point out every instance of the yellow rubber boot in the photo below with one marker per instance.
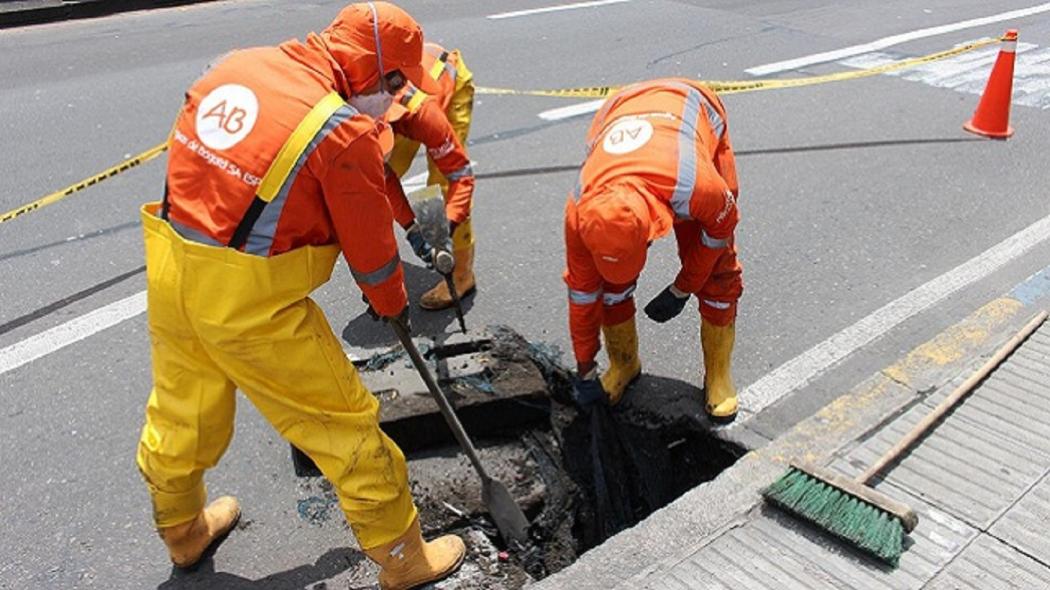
(462, 274)
(717, 342)
(408, 561)
(621, 344)
(187, 541)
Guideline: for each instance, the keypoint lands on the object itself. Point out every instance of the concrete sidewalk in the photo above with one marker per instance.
(980, 482)
(17, 13)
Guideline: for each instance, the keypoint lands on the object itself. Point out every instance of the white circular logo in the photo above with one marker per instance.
(226, 116)
(627, 136)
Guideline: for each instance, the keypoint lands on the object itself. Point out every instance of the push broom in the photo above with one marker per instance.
(856, 513)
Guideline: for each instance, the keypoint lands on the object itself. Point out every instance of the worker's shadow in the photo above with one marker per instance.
(329, 565)
(362, 331)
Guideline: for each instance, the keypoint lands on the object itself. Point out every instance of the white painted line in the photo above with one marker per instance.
(73, 331)
(794, 64)
(968, 73)
(554, 9)
(575, 110)
(806, 367)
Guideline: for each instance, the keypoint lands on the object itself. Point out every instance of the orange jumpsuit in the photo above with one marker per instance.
(425, 120)
(667, 141)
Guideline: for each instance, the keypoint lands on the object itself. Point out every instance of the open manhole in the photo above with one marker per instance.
(581, 476)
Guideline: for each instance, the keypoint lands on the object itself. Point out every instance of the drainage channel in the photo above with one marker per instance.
(580, 475)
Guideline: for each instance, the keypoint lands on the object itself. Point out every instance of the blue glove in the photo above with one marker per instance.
(666, 305)
(419, 245)
(587, 392)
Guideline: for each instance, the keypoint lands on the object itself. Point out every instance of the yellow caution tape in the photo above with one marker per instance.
(57, 196)
(722, 87)
(733, 87)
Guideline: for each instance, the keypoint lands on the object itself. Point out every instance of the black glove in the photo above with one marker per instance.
(401, 318)
(588, 390)
(665, 306)
(419, 245)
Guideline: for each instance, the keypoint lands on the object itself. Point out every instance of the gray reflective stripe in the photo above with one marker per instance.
(461, 173)
(610, 299)
(717, 304)
(377, 276)
(261, 238)
(584, 297)
(451, 69)
(713, 243)
(577, 191)
(717, 124)
(684, 185)
(193, 235)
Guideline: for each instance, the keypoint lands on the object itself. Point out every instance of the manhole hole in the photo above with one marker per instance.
(581, 476)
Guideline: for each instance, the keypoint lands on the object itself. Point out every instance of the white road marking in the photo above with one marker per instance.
(794, 64)
(803, 369)
(969, 72)
(75, 330)
(554, 8)
(573, 110)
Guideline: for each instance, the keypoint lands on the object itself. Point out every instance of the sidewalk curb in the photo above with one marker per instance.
(70, 10)
(699, 516)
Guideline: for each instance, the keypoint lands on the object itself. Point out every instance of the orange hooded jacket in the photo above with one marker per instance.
(665, 143)
(422, 118)
(239, 114)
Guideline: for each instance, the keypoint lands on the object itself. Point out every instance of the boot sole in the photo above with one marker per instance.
(721, 420)
(450, 305)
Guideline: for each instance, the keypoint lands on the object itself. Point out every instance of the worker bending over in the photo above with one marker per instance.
(439, 120)
(276, 164)
(658, 158)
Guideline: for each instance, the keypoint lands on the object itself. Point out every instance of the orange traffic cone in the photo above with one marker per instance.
(992, 118)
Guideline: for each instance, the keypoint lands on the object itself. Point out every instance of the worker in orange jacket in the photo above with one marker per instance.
(440, 121)
(659, 158)
(275, 167)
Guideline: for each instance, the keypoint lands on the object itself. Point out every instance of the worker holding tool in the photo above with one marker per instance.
(440, 121)
(276, 166)
(659, 158)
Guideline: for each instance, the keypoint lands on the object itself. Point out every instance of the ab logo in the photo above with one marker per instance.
(627, 136)
(226, 116)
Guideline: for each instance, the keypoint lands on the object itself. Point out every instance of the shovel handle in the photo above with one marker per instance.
(442, 401)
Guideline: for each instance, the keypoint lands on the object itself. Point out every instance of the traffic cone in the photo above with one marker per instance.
(992, 117)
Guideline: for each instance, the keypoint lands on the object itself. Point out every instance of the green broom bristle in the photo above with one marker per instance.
(840, 513)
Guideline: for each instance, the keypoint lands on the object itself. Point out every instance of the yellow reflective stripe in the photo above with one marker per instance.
(437, 68)
(307, 129)
(417, 99)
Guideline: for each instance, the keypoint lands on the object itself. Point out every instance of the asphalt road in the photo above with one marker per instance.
(853, 194)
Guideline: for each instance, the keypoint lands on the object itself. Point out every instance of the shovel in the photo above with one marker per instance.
(510, 520)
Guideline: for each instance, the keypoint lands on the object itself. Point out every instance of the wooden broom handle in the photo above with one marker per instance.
(949, 402)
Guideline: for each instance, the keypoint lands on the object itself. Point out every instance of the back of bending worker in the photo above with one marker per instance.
(441, 122)
(658, 159)
(276, 166)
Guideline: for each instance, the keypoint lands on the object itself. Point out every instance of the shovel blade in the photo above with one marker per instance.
(510, 520)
